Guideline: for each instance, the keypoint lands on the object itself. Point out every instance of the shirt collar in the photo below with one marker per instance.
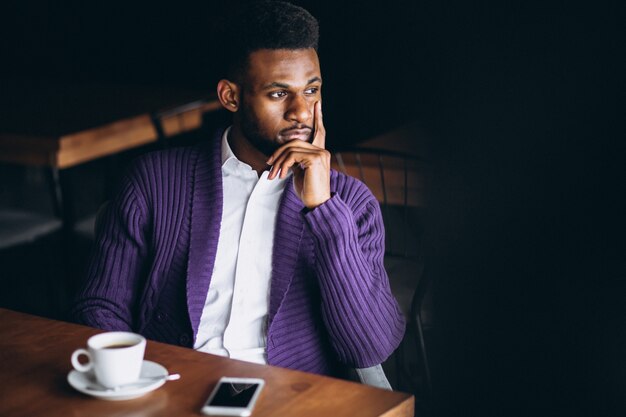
(227, 152)
(230, 161)
(229, 158)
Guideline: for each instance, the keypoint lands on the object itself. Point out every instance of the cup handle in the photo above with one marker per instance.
(79, 366)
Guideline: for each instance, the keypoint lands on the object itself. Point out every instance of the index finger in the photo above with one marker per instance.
(319, 132)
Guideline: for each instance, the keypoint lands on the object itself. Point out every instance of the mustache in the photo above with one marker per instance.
(296, 127)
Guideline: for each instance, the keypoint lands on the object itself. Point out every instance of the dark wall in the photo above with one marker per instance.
(372, 56)
(527, 208)
(526, 229)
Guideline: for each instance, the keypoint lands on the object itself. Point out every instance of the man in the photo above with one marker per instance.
(250, 246)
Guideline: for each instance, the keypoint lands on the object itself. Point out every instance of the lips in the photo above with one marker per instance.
(299, 134)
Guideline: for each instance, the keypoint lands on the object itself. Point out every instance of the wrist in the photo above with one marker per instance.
(317, 202)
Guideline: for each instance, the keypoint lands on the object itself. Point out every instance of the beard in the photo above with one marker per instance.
(252, 131)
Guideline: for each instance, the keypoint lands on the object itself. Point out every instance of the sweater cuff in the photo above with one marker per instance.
(328, 218)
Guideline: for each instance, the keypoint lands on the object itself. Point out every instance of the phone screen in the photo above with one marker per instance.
(233, 395)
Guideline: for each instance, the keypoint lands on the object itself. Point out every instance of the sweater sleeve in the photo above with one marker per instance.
(362, 317)
(110, 289)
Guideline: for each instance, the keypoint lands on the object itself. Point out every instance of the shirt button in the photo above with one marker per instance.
(160, 317)
(184, 339)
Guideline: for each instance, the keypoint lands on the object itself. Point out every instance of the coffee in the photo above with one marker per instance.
(119, 346)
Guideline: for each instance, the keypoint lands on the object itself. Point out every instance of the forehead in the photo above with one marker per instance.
(285, 66)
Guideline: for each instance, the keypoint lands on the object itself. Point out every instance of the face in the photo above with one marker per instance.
(278, 95)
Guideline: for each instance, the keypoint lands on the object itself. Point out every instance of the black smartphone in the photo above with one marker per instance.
(233, 397)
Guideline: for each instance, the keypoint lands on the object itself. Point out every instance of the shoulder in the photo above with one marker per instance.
(168, 159)
(181, 160)
(352, 191)
(161, 170)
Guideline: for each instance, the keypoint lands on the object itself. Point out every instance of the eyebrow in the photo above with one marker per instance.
(283, 85)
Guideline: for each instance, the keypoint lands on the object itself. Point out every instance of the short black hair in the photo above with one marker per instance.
(265, 25)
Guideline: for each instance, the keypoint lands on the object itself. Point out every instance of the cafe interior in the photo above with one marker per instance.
(472, 125)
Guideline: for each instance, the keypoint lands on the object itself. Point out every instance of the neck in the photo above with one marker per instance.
(245, 151)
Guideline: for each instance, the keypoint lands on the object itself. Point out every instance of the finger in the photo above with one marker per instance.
(290, 158)
(286, 147)
(279, 165)
(319, 136)
(300, 158)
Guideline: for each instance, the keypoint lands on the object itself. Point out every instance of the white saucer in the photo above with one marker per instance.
(84, 381)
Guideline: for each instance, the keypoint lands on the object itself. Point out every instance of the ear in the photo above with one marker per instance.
(228, 95)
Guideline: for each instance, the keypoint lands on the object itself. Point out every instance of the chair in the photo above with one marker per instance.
(20, 227)
(23, 224)
(29, 246)
(396, 179)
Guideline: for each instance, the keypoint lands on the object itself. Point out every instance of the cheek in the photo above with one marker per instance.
(270, 118)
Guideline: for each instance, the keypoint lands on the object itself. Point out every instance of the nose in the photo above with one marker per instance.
(298, 110)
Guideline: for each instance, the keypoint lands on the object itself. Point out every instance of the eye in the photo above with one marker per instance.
(311, 91)
(278, 94)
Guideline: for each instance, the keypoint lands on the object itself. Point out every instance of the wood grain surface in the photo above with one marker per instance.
(35, 361)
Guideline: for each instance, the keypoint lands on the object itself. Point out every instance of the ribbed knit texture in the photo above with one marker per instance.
(330, 300)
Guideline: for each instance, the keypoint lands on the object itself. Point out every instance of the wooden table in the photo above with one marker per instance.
(35, 360)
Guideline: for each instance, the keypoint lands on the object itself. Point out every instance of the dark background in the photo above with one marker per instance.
(522, 104)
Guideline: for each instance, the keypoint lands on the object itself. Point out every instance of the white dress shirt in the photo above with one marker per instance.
(234, 317)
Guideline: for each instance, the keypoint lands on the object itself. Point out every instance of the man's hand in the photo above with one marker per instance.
(310, 163)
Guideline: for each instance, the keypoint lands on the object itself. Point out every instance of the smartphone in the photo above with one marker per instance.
(233, 397)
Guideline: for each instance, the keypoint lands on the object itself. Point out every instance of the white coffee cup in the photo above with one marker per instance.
(114, 357)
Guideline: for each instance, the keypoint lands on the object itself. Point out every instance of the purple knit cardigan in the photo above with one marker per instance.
(330, 300)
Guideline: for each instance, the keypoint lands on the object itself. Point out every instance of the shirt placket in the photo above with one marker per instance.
(243, 271)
